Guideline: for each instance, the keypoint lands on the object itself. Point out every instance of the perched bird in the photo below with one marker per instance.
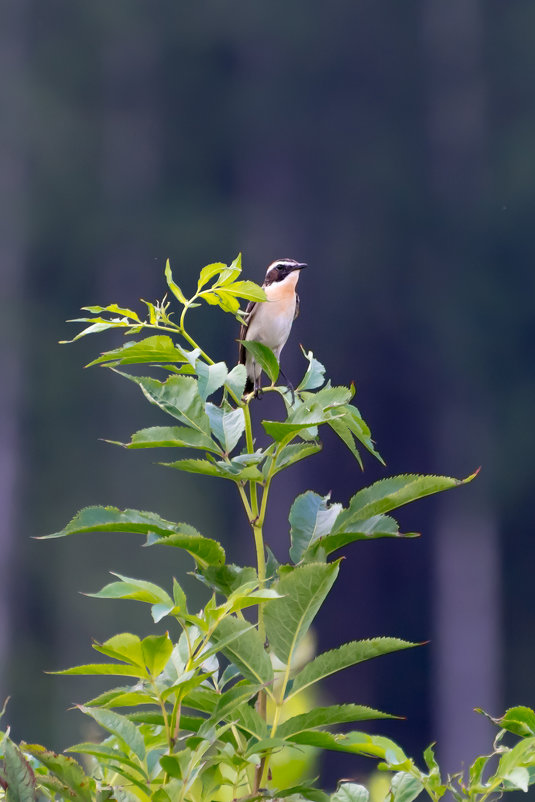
(270, 322)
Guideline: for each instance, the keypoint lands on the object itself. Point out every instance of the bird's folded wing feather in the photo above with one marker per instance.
(249, 312)
(297, 305)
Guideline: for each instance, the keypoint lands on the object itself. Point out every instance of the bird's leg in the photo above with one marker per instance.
(258, 387)
(289, 385)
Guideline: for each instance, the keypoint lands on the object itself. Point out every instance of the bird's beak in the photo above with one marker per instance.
(300, 266)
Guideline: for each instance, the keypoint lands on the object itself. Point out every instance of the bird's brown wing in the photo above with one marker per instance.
(251, 306)
(297, 305)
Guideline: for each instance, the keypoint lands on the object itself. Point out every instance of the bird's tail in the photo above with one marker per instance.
(249, 386)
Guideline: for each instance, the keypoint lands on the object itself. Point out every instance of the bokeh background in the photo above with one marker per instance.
(391, 145)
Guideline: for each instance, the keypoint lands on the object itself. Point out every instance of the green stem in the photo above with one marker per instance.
(245, 501)
(195, 345)
(250, 450)
(167, 726)
(261, 567)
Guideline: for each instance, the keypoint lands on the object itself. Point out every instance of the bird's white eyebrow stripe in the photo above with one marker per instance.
(281, 263)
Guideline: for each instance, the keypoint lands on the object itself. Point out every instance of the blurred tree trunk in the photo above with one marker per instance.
(131, 151)
(129, 172)
(268, 186)
(13, 237)
(466, 566)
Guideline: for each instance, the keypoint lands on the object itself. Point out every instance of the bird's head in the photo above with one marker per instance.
(282, 270)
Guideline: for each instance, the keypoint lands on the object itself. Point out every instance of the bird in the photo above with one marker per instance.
(269, 322)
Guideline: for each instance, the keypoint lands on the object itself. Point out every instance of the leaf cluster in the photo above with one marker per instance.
(198, 713)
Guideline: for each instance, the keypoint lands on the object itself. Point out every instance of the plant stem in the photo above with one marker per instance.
(261, 567)
(250, 450)
(168, 734)
(245, 501)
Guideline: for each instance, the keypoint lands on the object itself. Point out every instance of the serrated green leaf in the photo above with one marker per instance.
(172, 437)
(220, 469)
(280, 431)
(80, 787)
(226, 300)
(113, 309)
(349, 654)
(358, 743)
(344, 433)
(186, 369)
(106, 754)
(431, 761)
(247, 290)
(238, 695)
(287, 619)
(95, 328)
(136, 589)
(111, 519)
(378, 526)
(389, 494)
(178, 396)
(293, 453)
(149, 717)
(98, 669)
(125, 791)
(248, 719)
(229, 275)
(519, 720)
(125, 646)
(360, 430)
(477, 768)
(240, 600)
(156, 652)
(159, 611)
(152, 350)
(265, 358)
(236, 379)
(211, 377)
(179, 597)
(518, 778)
(305, 793)
(304, 417)
(175, 289)
(122, 697)
(57, 790)
(314, 376)
(202, 466)
(227, 426)
(120, 726)
(311, 517)
(227, 578)
(246, 650)
(204, 550)
(405, 787)
(209, 272)
(520, 756)
(326, 716)
(211, 298)
(19, 775)
(158, 530)
(328, 397)
(350, 792)
(265, 745)
(203, 699)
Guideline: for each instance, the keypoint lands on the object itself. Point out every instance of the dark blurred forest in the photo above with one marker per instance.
(391, 145)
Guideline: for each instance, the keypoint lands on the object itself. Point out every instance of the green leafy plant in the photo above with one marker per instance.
(202, 712)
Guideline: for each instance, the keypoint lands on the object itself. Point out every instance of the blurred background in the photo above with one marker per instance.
(389, 145)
